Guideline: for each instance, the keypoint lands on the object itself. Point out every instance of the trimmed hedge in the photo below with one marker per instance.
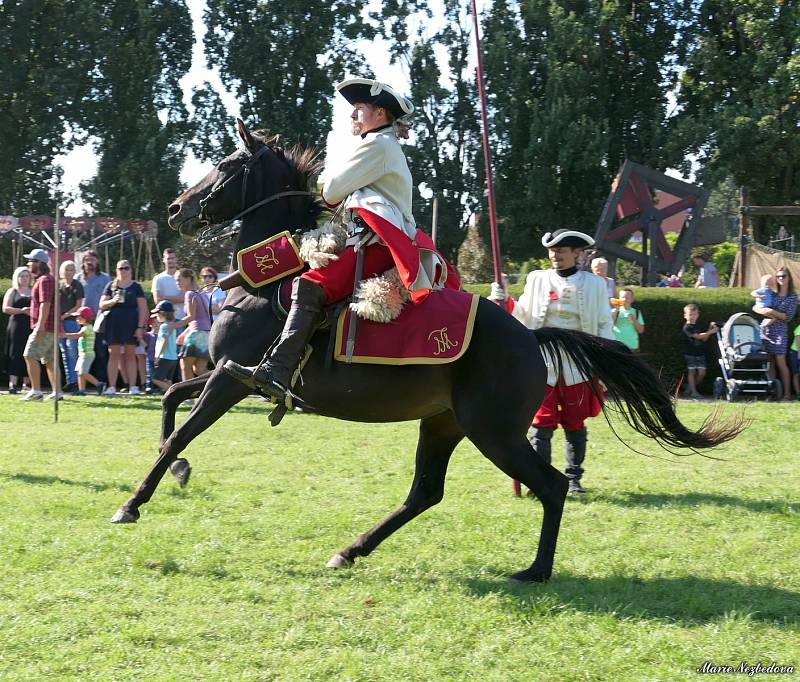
(662, 308)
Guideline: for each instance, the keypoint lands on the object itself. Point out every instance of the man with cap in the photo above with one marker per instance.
(567, 298)
(39, 347)
(376, 187)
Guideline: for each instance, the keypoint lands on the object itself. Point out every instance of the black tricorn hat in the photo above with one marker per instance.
(368, 91)
(571, 238)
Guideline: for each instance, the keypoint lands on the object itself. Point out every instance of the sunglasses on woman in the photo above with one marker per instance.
(208, 275)
(124, 267)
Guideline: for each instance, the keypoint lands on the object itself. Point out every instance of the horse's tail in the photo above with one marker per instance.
(637, 392)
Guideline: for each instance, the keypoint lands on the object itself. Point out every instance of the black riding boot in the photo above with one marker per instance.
(541, 443)
(274, 376)
(576, 453)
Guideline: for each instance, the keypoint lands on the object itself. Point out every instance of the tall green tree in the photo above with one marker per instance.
(136, 110)
(44, 81)
(281, 59)
(443, 151)
(214, 136)
(576, 87)
(740, 96)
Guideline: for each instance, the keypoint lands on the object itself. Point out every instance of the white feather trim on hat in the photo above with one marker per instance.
(551, 239)
(349, 87)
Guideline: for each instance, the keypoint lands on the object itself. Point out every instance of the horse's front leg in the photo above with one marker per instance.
(221, 392)
(438, 437)
(174, 396)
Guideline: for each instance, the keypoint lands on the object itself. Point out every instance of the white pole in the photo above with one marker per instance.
(56, 314)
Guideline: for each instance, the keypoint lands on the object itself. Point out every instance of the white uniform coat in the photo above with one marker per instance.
(579, 301)
(376, 177)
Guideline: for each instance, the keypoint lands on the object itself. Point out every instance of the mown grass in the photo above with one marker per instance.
(662, 566)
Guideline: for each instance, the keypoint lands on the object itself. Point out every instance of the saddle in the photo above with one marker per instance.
(435, 331)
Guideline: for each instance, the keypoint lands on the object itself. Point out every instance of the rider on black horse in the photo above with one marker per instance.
(376, 187)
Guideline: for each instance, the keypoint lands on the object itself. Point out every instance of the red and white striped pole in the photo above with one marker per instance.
(487, 162)
(487, 156)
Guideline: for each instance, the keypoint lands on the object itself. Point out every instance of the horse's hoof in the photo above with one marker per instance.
(124, 516)
(529, 575)
(181, 470)
(338, 561)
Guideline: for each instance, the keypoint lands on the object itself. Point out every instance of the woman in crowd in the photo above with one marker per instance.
(216, 296)
(71, 296)
(599, 267)
(17, 305)
(194, 353)
(124, 300)
(776, 334)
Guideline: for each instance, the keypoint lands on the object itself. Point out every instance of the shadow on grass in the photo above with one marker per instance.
(256, 407)
(684, 599)
(694, 499)
(34, 479)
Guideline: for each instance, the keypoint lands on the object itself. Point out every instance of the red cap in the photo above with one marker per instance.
(85, 312)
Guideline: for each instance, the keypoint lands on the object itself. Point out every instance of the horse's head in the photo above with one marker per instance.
(237, 183)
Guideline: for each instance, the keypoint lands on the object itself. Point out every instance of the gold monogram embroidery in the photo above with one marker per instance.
(443, 342)
(267, 261)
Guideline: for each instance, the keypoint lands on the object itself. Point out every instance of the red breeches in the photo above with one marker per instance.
(568, 406)
(336, 278)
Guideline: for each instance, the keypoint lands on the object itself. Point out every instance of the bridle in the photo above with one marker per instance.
(222, 230)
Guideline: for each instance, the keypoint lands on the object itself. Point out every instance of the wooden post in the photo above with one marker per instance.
(652, 274)
(743, 235)
(435, 219)
(56, 315)
(645, 232)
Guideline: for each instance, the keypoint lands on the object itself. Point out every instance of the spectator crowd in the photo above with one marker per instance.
(110, 340)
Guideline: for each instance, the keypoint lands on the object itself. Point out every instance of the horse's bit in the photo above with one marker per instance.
(219, 231)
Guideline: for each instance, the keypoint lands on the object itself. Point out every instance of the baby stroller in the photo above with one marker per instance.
(745, 366)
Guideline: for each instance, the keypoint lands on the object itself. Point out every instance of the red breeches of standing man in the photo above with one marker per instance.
(568, 406)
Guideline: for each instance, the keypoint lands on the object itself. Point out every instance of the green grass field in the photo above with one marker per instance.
(661, 566)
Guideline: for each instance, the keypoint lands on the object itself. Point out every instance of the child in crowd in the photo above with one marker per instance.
(764, 296)
(85, 337)
(166, 350)
(694, 343)
(628, 322)
(149, 340)
(794, 363)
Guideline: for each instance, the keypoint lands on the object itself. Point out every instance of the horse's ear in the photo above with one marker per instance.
(244, 134)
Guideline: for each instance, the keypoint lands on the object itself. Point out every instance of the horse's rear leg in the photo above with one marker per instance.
(438, 437)
(220, 394)
(515, 456)
(174, 396)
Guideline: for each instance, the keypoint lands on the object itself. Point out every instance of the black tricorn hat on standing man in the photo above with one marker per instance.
(570, 238)
(368, 91)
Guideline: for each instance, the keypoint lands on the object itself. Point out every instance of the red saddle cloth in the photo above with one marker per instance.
(436, 331)
(270, 260)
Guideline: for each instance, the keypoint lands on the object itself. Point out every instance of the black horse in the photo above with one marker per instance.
(488, 395)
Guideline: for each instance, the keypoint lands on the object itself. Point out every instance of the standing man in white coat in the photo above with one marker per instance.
(567, 298)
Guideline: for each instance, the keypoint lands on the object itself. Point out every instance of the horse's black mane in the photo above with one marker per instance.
(305, 163)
